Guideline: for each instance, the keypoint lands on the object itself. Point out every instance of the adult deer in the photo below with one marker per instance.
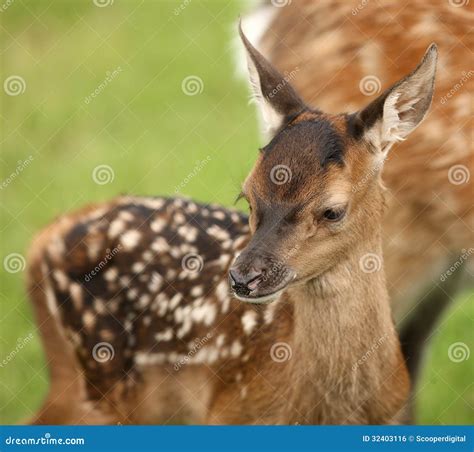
(338, 54)
(133, 301)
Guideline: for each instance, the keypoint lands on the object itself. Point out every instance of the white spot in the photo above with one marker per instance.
(111, 274)
(156, 282)
(243, 392)
(220, 340)
(179, 218)
(222, 293)
(164, 336)
(88, 319)
(61, 279)
(138, 267)
(116, 228)
(197, 291)
(174, 302)
(76, 295)
(218, 233)
(130, 239)
(160, 245)
(249, 321)
(236, 348)
(157, 225)
(99, 306)
(219, 215)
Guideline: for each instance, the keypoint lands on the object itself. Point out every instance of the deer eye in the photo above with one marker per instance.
(334, 214)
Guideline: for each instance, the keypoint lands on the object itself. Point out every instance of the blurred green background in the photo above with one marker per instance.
(151, 134)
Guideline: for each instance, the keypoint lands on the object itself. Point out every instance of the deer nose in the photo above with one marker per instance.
(244, 283)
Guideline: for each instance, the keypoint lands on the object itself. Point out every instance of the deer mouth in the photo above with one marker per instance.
(266, 296)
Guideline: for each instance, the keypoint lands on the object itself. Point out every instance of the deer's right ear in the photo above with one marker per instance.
(399, 110)
(276, 98)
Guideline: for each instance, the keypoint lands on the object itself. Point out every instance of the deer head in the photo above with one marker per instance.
(314, 191)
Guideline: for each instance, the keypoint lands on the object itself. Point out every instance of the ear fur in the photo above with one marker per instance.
(275, 96)
(400, 109)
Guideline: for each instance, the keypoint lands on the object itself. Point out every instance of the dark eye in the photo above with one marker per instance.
(333, 214)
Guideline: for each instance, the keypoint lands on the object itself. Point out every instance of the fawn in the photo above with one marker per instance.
(133, 300)
(329, 49)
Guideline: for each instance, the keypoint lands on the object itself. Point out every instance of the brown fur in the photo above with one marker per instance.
(325, 351)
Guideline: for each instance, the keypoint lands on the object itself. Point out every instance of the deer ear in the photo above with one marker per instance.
(275, 96)
(399, 110)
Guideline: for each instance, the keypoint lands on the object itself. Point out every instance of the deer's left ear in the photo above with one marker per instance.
(276, 98)
(399, 110)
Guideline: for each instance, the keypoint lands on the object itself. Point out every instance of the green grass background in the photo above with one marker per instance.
(151, 134)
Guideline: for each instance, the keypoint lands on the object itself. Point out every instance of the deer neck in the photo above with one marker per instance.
(342, 325)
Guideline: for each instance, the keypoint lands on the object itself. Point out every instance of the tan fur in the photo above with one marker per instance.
(428, 219)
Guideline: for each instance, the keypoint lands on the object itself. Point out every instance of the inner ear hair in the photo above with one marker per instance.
(398, 110)
(274, 93)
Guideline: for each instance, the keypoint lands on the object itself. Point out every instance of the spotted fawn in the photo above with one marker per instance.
(163, 310)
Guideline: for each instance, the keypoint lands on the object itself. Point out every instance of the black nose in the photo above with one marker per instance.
(244, 283)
